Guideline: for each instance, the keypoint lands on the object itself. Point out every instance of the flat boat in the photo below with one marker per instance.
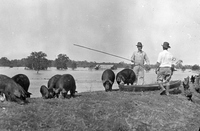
(148, 87)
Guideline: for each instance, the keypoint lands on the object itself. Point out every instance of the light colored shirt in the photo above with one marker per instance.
(139, 58)
(165, 58)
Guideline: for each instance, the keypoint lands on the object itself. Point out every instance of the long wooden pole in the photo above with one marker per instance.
(101, 52)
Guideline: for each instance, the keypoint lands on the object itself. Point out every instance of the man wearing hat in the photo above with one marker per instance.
(139, 58)
(163, 71)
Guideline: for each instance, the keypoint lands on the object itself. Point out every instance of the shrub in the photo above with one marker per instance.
(195, 67)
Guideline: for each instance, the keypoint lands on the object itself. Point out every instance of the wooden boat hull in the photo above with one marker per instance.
(148, 87)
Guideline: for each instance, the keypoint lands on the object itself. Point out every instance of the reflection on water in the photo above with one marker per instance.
(86, 80)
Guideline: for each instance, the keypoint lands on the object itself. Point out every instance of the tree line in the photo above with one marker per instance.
(38, 61)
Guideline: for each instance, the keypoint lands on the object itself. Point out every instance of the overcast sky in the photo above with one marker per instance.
(113, 26)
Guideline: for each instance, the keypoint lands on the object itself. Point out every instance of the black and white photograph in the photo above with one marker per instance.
(99, 65)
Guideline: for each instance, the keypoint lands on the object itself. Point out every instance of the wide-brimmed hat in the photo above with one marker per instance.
(166, 45)
(139, 44)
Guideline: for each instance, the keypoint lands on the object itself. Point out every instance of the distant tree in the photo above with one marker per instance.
(51, 63)
(73, 65)
(4, 61)
(127, 67)
(183, 68)
(16, 63)
(37, 61)
(114, 67)
(45, 63)
(23, 62)
(195, 67)
(61, 61)
(122, 65)
(28, 63)
(188, 66)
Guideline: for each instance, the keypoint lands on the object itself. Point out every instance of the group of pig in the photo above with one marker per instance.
(16, 88)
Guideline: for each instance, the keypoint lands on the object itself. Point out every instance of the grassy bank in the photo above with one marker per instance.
(116, 111)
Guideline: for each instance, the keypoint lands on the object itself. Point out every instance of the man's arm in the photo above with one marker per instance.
(157, 67)
(133, 57)
(146, 59)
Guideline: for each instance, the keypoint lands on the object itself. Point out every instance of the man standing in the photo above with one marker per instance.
(163, 68)
(139, 58)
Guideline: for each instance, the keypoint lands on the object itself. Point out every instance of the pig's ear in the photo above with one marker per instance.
(110, 82)
(123, 79)
(103, 81)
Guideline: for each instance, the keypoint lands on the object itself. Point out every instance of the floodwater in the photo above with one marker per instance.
(86, 80)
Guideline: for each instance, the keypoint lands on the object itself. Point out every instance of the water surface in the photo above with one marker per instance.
(86, 80)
